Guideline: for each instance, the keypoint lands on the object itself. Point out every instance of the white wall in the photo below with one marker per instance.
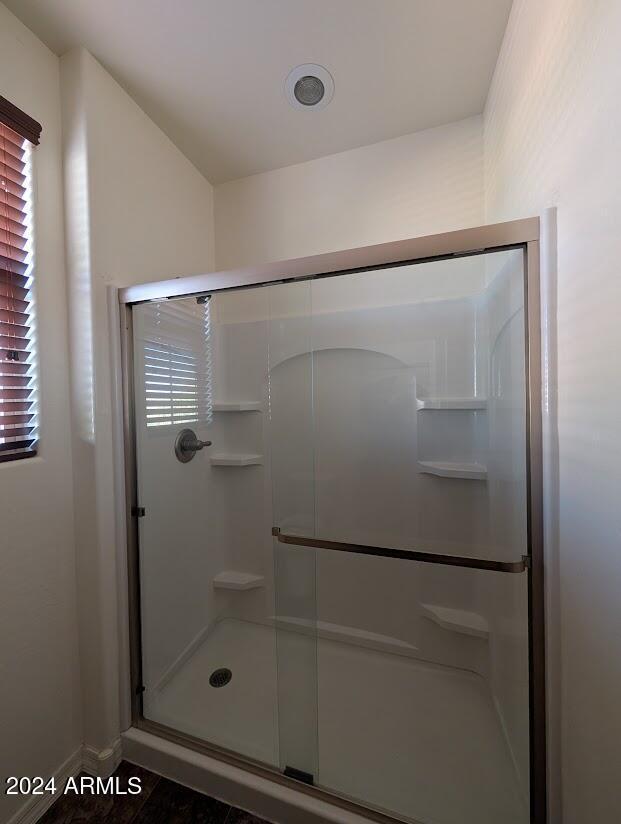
(552, 127)
(39, 677)
(137, 210)
(419, 184)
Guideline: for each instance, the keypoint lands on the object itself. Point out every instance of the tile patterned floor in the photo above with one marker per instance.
(160, 802)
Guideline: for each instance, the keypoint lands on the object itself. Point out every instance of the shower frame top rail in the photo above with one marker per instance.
(404, 554)
(379, 256)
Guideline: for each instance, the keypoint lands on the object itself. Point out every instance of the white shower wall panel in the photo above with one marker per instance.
(342, 395)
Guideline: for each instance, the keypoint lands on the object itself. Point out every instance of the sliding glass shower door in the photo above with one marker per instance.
(333, 560)
(398, 441)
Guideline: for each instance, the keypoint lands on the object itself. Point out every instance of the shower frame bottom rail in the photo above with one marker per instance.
(404, 554)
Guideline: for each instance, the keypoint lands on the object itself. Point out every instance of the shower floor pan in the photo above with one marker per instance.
(419, 741)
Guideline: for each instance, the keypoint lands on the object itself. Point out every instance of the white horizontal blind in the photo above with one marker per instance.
(176, 354)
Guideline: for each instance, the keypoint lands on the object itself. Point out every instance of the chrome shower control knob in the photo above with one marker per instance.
(187, 445)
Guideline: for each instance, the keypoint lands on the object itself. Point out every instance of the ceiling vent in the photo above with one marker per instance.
(309, 86)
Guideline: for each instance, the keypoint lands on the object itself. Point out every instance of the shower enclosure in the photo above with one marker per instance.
(335, 543)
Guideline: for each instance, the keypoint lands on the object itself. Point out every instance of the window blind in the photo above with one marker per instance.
(18, 389)
(176, 353)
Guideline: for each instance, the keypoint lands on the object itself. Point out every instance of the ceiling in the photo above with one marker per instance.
(211, 73)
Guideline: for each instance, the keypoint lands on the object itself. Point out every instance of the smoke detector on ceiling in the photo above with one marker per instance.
(309, 86)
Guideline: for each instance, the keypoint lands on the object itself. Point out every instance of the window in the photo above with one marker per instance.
(176, 353)
(18, 367)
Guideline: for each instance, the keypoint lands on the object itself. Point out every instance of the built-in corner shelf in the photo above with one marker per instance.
(230, 579)
(451, 403)
(457, 620)
(449, 469)
(235, 459)
(237, 406)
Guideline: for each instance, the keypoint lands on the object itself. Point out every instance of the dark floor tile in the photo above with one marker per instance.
(74, 808)
(236, 816)
(70, 808)
(170, 803)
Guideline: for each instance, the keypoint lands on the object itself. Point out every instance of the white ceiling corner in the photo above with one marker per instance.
(211, 73)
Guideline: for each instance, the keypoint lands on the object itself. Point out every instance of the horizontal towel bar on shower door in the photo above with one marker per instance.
(404, 554)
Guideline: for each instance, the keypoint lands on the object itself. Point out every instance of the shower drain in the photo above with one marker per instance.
(220, 677)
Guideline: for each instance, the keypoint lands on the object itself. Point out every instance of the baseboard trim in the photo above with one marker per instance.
(102, 763)
(37, 805)
(98, 763)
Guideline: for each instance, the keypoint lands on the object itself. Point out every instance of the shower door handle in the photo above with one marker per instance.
(405, 554)
(187, 445)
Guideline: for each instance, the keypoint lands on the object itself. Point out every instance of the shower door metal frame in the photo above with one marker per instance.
(524, 234)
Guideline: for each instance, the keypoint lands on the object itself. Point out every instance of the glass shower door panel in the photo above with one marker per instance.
(419, 438)
(208, 648)
(290, 381)
(381, 411)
